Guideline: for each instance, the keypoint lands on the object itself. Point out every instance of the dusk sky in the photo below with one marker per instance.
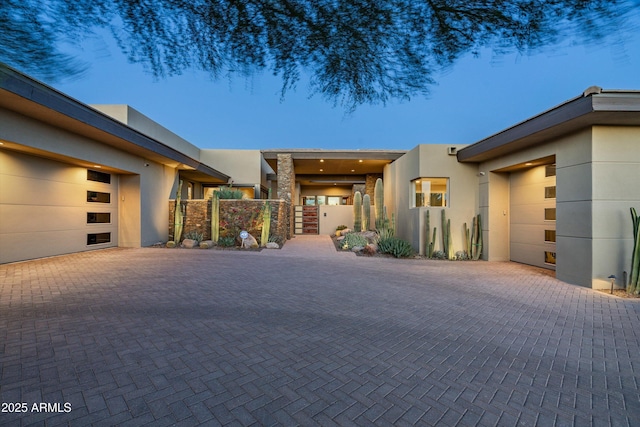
(476, 98)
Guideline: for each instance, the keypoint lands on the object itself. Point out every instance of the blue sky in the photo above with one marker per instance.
(476, 98)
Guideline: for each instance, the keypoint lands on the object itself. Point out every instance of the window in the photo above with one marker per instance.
(98, 218)
(430, 192)
(550, 257)
(98, 197)
(98, 176)
(334, 200)
(550, 192)
(97, 238)
(550, 214)
(550, 236)
(550, 170)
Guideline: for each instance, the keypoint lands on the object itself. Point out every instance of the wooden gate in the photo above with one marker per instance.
(306, 219)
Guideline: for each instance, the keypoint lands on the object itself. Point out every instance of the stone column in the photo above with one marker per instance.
(287, 188)
(370, 184)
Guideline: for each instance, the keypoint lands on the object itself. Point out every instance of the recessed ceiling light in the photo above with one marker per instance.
(360, 161)
(321, 160)
(353, 170)
(97, 166)
(321, 170)
(528, 164)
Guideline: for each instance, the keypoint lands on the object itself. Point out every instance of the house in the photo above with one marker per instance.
(553, 191)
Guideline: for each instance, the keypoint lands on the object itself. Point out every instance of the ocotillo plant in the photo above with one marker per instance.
(366, 212)
(634, 281)
(215, 217)
(476, 239)
(178, 216)
(378, 199)
(357, 211)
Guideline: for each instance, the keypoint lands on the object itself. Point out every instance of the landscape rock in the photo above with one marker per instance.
(189, 243)
(357, 248)
(340, 239)
(206, 244)
(272, 245)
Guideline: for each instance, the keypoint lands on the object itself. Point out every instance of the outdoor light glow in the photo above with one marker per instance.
(360, 161)
(528, 164)
(321, 160)
(321, 170)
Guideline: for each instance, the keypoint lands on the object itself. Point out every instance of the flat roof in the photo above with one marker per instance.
(31, 98)
(595, 106)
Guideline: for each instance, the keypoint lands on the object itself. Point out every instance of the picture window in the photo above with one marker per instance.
(430, 192)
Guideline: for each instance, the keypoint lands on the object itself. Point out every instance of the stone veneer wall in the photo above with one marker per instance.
(287, 187)
(235, 215)
(370, 185)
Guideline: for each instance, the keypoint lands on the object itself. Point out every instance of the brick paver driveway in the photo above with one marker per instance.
(186, 337)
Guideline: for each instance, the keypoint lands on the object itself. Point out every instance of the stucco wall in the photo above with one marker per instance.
(615, 180)
(430, 161)
(143, 124)
(243, 166)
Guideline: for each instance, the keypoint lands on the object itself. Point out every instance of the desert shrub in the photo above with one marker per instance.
(276, 239)
(341, 227)
(194, 235)
(229, 193)
(352, 240)
(227, 241)
(439, 255)
(395, 246)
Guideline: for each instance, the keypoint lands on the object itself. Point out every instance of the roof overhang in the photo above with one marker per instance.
(595, 107)
(340, 167)
(26, 96)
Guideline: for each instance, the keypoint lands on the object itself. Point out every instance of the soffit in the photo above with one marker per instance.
(607, 108)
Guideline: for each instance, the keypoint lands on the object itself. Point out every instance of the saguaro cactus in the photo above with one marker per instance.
(378, 198)
(634, 281)
(357, 211)
(178, 216)
(266, 222)
(429, 242)
(366, 212)
(447, 243)
(215, 216)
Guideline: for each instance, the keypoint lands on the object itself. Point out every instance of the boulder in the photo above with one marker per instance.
(206, 244)
(249, 242)
(189, 243)
(340, 239)
(357, 249)
(171, 244)
(272, 245)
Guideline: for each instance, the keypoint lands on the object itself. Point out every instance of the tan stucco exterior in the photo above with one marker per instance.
(430, 161)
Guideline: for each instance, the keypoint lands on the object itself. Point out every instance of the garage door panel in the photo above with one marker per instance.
(528, 225)
(44, 208)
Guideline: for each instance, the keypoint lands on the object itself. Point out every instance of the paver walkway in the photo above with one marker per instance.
(153, 336)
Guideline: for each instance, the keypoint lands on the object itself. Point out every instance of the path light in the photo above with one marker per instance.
(613, 279)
